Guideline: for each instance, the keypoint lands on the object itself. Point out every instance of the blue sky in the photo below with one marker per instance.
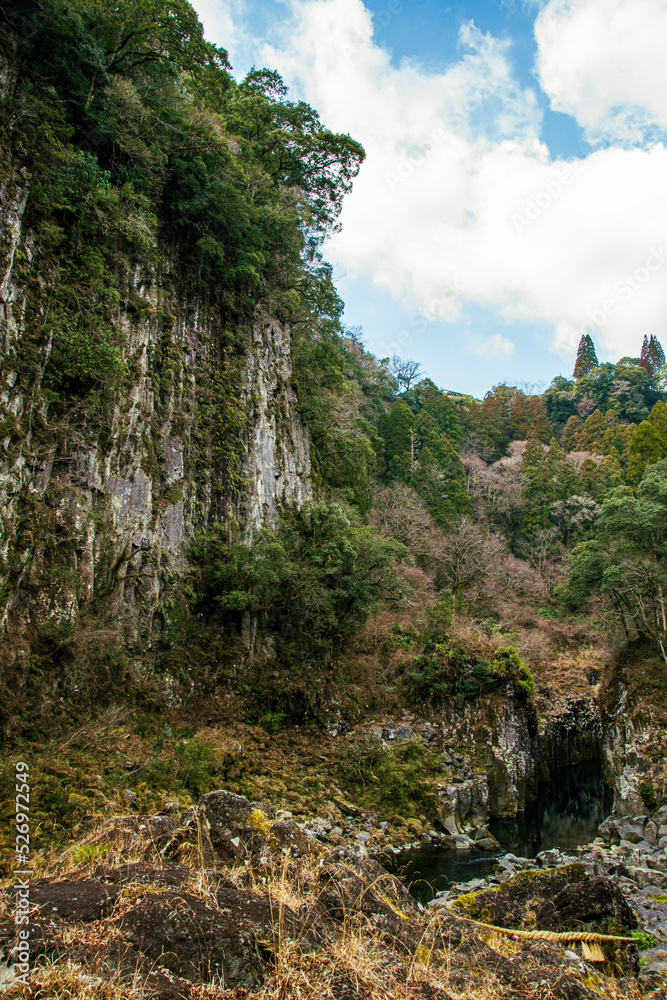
(513, 195)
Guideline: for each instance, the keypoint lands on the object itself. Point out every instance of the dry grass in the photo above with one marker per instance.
(67, 980)
(358, 960)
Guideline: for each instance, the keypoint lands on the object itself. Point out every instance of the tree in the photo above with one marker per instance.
(530, 417)
(559, 400)
(558, 480)
(405, 371)
(399, 437)
(312, 582)
(627, 565)
(587, 359)
(439, 406)
(658, 417)
(571, 432)
(652, 355)
(592, 435)
(296, 149)
(647, 447)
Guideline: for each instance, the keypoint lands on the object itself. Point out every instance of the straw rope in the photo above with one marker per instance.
(554, 936)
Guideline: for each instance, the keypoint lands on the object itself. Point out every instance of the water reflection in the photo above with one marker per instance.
(566, 813)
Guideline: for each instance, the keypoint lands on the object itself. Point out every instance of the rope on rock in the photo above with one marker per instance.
(554, 936)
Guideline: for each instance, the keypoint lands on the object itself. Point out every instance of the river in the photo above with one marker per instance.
(566, 813)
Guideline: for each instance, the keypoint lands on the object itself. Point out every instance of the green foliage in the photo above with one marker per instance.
(647, 793)
(273, 722)
(450, 671)
(587, 359)
(652, 355)
(644, 939)
(559, 402)
(422, 451)
(626, 565)
(197, 764)
(396, 779)
(399, 435)
(134, 134)
(648, 444)
(311, 584)
(342, 390)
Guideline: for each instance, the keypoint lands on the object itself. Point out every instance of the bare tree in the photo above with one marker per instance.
(405, 371)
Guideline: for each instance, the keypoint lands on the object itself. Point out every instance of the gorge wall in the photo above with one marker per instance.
(505, 747)
(101, 498)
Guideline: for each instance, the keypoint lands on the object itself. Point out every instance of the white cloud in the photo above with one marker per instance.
(603, 61)
(458, 200)
(495, 346)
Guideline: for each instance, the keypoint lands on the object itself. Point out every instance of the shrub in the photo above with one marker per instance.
(395, 779)
(450, 671)
(311, 583)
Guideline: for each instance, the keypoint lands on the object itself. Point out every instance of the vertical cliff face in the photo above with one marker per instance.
(101, 495)
(276, 453)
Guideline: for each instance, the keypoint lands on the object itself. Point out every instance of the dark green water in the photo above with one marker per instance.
(566, 813)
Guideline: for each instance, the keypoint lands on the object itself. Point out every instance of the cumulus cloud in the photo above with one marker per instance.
(603, 61)
(460, 202)
(495, 346)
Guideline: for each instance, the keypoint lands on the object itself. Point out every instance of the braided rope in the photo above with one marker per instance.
(554, 936)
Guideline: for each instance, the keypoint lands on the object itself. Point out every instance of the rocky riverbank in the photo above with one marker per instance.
(627, 862)
(232, 900)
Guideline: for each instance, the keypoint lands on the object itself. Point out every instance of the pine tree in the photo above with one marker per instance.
(589, 475)
(658, 417)
(399, 439)
(587, 359)
(571, 432)
(652, 356)
(559, 480)
(610, 474)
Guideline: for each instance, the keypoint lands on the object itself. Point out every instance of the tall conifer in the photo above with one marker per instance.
(587, 359)
(656, 355)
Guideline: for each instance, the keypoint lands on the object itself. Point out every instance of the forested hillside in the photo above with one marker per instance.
(144, 185)
(243, 559)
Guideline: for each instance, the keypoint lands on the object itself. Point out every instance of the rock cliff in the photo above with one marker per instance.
(101, 497)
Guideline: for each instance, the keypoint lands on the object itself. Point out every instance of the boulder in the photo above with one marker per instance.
(486, 844)
(234, 827)
(510, 904)
(591, 901)
(83, 900)
(270, 919)
(365, 888)
(170, 874)
(287, 836)
(180, 933)
(131, 833)
(631, 829)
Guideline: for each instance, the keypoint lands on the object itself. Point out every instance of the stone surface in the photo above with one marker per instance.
(270, 919)
(234, 826)
(290, 839)
(169, 874)
(192, 940)
(593, 901)
(82, 900)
